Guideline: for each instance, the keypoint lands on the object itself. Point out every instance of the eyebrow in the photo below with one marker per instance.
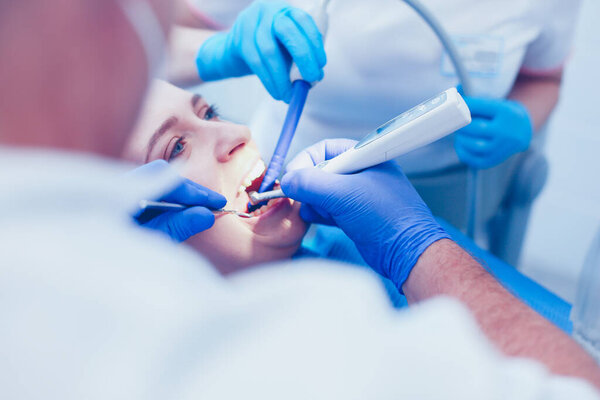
(164, 127)
(195, 99)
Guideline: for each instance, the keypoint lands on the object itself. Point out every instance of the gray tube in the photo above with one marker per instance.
(473, 180)
(433, 22)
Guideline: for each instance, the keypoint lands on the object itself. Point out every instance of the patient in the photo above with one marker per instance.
(183, 129)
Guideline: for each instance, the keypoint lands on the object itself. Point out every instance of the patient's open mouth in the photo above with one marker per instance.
(252, 183)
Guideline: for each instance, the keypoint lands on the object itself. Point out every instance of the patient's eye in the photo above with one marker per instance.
(178, 148)
(211, 113)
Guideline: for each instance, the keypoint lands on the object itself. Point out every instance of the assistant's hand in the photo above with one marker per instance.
(377, 208)
(264, 40)
(500, 129)
(181, 225)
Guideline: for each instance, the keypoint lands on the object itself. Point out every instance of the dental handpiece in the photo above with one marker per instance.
(422, 125)
(152, 209)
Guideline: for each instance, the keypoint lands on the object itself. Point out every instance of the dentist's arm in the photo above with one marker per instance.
(399, 238)
(445, 269)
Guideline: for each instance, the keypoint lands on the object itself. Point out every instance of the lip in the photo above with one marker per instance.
(277, 211)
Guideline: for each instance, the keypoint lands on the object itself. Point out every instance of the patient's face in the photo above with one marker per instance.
(179, 127)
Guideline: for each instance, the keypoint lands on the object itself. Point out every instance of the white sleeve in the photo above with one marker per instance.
(551, 49)
(145, 321)
(217, 13)
(328, 333)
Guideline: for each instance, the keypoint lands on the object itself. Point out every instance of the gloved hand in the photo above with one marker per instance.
(378, 209)
(500, 129)
(181, 225)
(264, 40)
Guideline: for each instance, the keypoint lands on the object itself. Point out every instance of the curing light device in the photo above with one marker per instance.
(300, 89)
(418, 127)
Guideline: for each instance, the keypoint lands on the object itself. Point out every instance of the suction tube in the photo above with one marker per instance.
(300, 90)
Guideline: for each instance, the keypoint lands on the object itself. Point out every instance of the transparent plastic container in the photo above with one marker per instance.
(586, 310)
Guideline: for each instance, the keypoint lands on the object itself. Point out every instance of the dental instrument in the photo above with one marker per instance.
(418, 127)
(300, 89)
(152, 209)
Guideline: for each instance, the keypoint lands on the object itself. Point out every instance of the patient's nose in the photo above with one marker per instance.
(230, 140)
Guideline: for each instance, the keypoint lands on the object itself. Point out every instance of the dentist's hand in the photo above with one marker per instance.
(500, 129)
(181, 225)
(377, 208)
(264, 41)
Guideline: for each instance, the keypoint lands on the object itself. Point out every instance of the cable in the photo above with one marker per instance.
(433, 22)
(473, 179)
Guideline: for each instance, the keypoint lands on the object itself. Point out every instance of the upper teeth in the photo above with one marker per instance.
(258, 169)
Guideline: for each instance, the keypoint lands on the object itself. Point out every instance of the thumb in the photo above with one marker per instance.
(310, 186)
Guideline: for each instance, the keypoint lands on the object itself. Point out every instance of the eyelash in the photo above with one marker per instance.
(210, 114)
(171, 156)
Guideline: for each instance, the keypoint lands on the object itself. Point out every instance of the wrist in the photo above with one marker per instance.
(444, 269)
(409, 247)
(214, 61)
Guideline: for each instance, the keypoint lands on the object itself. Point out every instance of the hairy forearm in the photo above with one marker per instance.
(184, 46)
(539, 95)
(447, 270)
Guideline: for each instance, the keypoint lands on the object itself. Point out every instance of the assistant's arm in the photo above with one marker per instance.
(445, 269)
(502, 128)
(539, 95)
(183, 50)
(266, 38)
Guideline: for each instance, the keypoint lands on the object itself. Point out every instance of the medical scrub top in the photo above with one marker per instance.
(95, 307)
(383, 60)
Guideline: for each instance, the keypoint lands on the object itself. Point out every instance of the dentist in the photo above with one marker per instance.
(94, 307)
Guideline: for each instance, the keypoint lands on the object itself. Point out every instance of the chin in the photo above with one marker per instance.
(234, 244)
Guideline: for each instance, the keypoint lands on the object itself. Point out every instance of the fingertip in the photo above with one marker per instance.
(287, 94)
(307, 214)
(200, 218)
(288, 182)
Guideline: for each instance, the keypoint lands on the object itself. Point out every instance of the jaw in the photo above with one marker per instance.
(252, 255)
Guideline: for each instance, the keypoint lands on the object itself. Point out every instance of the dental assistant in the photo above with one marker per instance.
(94, 307)
(383, 59)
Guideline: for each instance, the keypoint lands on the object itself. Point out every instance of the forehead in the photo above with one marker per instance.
(163, 102)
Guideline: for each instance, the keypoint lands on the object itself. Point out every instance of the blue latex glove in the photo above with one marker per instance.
(264, 40)
(181, 225)
(500, 129)
(378, 209)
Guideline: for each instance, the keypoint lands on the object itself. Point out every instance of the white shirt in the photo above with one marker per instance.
(93, 307)
(383, 60)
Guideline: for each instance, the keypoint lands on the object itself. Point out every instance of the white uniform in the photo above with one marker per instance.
(586, 310)
(93, 307)
(383, 59)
